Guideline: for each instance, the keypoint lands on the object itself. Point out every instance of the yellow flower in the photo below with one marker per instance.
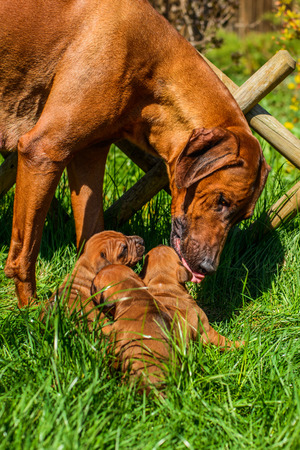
(291, 86)
(297, 78)
(294, 108)
(289, 125)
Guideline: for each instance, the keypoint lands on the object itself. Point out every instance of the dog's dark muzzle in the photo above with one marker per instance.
(197, 257)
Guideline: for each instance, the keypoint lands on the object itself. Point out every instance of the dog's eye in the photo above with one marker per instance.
(103, 255)
(222, 202)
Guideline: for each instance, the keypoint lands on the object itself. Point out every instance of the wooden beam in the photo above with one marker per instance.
(285, 208)
(264, 80)
(143, 160)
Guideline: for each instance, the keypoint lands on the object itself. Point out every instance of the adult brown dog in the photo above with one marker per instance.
(76, 76)
(165, 277)
(140, 332)
(107, 247)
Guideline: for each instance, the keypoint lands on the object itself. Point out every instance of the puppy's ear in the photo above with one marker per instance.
(97, 296)
(208, 150)
(144, 269)
(99, 299)
(183, 275)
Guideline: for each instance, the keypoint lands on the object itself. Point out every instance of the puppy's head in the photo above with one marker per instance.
(112, 247)
(112, 285)
(163, 260)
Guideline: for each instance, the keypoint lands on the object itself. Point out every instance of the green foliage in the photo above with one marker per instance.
(240, 58)
(288, 13)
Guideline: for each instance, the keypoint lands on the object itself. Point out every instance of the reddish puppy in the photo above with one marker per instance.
(107, 247)
(165, 277)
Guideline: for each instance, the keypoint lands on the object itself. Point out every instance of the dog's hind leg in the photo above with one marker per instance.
(86, 173)
(199, 323)
(211, 336)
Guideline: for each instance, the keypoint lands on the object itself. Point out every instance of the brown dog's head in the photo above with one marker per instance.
(113, 286)
(162, 262)
(112, 247)
(215, 183)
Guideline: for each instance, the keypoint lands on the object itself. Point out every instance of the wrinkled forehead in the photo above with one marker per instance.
(161, 253)
(240, 181)
(97, 244)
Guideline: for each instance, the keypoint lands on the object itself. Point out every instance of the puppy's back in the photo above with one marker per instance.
(140, 331)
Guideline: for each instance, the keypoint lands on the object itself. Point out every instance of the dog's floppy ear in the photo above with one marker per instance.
(208, 150)
(144, 269)
(98, 261)
(183, 275)
(99, 299)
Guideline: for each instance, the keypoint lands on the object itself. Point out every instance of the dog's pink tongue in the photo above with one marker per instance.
(197, 277)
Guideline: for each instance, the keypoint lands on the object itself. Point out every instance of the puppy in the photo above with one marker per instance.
(139, 334)
(165, 277)
(102, 249)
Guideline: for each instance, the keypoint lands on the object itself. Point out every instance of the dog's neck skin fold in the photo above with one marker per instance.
(171, 103)
(167, 134)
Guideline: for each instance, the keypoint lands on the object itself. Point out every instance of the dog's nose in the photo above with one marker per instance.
(139, 240)
(206, 267)
(140, 244)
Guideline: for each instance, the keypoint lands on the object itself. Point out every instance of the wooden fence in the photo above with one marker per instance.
(251, 16)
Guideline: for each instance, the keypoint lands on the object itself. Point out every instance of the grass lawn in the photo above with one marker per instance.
(57, 390)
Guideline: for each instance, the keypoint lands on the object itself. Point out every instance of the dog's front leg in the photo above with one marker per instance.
(39, 169)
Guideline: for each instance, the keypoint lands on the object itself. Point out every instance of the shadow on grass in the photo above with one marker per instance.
(250, 261)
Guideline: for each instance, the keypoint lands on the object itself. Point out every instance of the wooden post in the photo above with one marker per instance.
(137, 196)
(251, 15)
(264, 80)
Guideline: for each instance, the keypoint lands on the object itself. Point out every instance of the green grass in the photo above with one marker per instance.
(58, 391)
